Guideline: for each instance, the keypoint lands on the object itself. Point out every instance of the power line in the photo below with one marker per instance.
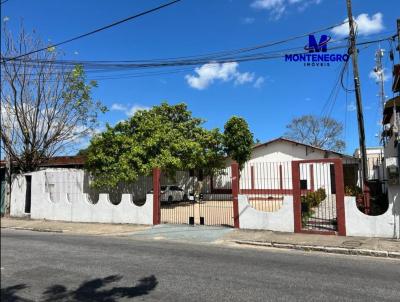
(96, 30)
(96, 67)
(205, 56)
(154, 63)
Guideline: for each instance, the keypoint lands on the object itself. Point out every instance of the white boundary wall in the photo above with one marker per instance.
(281, 220)
(78, 208)
(18, 189)
(359, 224)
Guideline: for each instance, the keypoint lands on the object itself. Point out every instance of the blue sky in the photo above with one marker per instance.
(268, 94)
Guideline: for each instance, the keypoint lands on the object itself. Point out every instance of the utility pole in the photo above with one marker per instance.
(360, 116)
(398, 36)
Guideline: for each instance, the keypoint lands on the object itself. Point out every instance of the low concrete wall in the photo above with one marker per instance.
(359, 224)
(281, 220)
(18, 189)
(71, 204)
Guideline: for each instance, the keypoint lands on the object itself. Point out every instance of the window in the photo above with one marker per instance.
(303, 184)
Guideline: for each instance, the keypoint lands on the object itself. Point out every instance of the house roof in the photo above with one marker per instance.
(287, 140)
(59, 161)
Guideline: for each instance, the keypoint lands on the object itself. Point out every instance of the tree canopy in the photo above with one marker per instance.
(165, 136)
(238, 140)
(321, 132)
(45, 107)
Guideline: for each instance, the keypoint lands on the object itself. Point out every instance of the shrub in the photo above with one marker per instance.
(313, 199)
(309, 201)
(352, 191)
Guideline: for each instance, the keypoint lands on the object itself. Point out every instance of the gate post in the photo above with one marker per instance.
(156, 196)
(296, 191)
(340, 212)
(235, 193)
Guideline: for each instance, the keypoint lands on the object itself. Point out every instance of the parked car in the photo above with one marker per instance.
(172, 193)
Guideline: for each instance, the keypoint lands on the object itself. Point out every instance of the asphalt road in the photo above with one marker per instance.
(58, 267)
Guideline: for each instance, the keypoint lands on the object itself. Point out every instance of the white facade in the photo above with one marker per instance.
(270, 166)
(60, 194)
(280, 221)
(391, 151)
(359, 224)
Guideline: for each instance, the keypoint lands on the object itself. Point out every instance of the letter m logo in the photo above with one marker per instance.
(313, 46)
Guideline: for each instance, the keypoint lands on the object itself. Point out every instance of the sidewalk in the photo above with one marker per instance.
(377, 247)
(71, 227)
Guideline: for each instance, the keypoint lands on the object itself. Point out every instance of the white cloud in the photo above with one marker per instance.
(6, 18)
(245, 77)
(375, 75)
(365, 25)
(248, 20)
(136, 108)
(127, 109)
(207, 74)
(259, 82)
(118, 107)
(278, 7)
(351, 107)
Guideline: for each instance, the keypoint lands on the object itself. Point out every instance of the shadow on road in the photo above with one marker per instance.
(91, 290)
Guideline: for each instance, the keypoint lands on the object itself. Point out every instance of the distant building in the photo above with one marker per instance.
(374, 162)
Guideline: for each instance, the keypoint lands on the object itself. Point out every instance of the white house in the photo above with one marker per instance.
(269, 168)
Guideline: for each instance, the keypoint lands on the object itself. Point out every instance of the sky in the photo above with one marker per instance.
(267, 93)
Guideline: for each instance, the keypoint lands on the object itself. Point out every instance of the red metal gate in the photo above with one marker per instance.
(318, 196)
(190, 198)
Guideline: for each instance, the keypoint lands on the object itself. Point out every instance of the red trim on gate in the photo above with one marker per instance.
(312, 178)
(296, 196)
(252, 177)
(221, 191)
(339, 182)
(156, 196)
(235, 193)
(367, 197)
(267, 191)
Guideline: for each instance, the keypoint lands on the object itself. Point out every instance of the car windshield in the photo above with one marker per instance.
(176, 188)
(163, 188)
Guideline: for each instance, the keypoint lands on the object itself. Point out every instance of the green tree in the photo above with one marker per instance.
(321, 132)
(238, 140)
(165, 136)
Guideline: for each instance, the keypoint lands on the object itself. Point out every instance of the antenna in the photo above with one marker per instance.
(379, 71)
(380, 77)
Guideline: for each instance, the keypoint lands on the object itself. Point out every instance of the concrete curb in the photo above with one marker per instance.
(34, 229)
(325, 249)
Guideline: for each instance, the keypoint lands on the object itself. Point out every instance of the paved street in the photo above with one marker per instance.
(59, 267)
